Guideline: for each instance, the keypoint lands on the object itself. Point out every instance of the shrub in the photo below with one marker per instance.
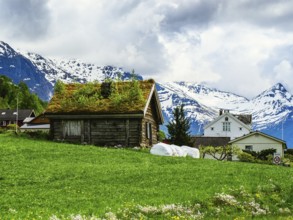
(246, 157)
(12, 127)
(2, 130)
(37, 134)
(161, 135)
(251, 152)
(289, 157)
(263, 155)
(289, 151)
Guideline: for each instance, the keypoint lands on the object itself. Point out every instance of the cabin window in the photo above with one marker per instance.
(249, 147)
(226, 126)
(72, 128)
(148, 130)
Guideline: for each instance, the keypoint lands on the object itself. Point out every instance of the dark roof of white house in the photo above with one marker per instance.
(10, 114)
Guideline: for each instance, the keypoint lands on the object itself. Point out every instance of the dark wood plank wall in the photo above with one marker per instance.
(102, 132)
(150, 118)
(110, 132)
(56, 129)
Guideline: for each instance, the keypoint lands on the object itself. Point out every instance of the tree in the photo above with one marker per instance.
(220, 152)
(178, 129)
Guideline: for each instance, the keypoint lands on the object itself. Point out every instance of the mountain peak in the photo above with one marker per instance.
(276, 90)
(280, 87)
(6, 50)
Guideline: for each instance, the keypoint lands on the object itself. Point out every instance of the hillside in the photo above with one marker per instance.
(272, 110)
(13, 96)
(41, 179)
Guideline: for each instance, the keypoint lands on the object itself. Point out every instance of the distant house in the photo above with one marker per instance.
(39, 123)
(228, 125)
(104, 121)
(10, 116)
(258, 141)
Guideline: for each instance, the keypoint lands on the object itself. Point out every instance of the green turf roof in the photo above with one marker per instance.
(76, 98)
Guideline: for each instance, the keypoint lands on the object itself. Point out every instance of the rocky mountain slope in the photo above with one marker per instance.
(272, 110)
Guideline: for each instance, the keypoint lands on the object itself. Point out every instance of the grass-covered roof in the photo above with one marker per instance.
(124, 97)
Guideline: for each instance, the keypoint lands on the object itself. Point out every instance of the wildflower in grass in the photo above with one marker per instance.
(13, 211)
(225, 199)
(284, 210)
(256, 208)
(257, 195)
(54, 217)
(110, 216)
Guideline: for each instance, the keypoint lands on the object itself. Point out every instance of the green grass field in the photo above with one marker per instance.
(42, 180)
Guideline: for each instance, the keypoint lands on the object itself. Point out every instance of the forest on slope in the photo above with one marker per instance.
(12, 95)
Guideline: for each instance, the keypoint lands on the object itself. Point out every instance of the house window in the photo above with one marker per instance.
(3, 123)
(240, 129)
(249, 147)
(212, 128)
(148, 130)
(72, 128)
(226, 119)
(226, 126)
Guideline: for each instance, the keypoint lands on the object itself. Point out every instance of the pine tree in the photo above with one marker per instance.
(178, 129)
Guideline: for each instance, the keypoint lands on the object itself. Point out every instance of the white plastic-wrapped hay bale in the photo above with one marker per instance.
(162, 149)
(178, 151)
(190, 151)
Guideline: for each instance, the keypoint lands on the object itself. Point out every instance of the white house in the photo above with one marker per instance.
(258, 141)
(228, 125)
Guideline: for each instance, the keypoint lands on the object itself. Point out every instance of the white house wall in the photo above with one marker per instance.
(259, 143)
(218, 129)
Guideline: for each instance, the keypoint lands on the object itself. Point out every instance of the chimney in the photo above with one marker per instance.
(221, 112)
(106, 89)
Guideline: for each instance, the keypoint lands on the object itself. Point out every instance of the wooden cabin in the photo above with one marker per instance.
(106, 114)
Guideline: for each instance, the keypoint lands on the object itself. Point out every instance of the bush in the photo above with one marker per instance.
(161, 135)
(251, 152)
(289, 157)
(37, 134)
(263, 155)
(12, 127)
(246, 157)
(2, 130)
(289, 151)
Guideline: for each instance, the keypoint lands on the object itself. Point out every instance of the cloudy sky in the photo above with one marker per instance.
(243, 46)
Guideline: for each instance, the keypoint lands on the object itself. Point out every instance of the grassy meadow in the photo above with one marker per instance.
(40, 179)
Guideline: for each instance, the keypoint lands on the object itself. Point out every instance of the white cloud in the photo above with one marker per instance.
(227, 44)
(284, 72)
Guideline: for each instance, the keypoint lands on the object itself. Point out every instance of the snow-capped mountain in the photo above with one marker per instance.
(272, 110)
(41, 73)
